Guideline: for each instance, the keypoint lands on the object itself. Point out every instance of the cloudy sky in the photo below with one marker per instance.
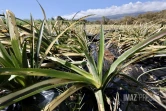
(67, 8)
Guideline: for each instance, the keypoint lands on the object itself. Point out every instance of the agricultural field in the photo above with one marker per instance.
(69, 66)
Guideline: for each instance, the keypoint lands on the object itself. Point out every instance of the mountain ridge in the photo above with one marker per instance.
(117, 16)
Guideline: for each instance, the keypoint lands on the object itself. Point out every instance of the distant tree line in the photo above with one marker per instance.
(155, 17)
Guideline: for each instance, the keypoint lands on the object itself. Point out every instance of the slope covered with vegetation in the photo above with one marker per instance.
(155, 17)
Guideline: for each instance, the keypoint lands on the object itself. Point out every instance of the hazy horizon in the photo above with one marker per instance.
(67, 9)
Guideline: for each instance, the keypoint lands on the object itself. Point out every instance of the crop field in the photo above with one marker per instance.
(56, 65)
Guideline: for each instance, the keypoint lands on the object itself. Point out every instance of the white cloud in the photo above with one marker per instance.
(126, 8)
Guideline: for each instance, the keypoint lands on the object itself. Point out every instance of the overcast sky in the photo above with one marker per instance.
(67, 8)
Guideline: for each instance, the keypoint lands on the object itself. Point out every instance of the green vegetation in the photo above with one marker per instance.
(58, 51)
(154, 17)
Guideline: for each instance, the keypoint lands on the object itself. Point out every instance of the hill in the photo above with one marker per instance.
(115, 17)
(131, 18)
